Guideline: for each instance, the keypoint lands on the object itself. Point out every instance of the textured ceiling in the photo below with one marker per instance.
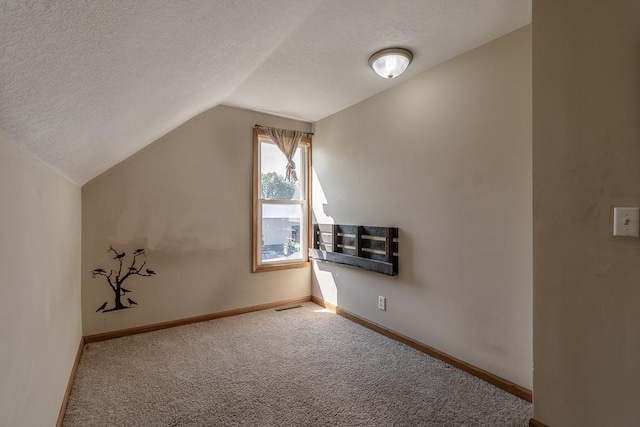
(86, 83)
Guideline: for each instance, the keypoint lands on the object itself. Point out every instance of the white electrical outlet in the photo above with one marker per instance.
(382, 303)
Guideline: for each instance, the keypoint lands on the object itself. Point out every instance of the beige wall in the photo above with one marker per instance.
(186, 198)
(446, 157)
(586, 160)
(40, 320)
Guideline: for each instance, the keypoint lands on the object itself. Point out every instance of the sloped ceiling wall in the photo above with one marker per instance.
(85, 84)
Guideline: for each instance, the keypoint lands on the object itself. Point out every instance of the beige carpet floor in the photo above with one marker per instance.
(300, 367)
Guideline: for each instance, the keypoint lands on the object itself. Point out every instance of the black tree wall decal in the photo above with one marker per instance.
(115, 282)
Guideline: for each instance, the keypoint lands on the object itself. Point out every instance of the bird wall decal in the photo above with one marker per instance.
(115, 277)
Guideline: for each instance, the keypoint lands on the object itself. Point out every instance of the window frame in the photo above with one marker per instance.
(305, 242)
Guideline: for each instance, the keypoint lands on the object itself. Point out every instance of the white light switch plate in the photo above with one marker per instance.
(626, 222)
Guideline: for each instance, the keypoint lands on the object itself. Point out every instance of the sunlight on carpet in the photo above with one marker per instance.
(298, 367)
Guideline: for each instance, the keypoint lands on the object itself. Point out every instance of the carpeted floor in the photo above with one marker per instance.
(300, 367)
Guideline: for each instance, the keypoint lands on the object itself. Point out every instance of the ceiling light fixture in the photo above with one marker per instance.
(390, 63)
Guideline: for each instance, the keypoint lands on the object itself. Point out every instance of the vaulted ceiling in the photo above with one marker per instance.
(86, 83)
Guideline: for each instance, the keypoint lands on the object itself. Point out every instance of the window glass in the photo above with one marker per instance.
(273, 166)
(281, 237)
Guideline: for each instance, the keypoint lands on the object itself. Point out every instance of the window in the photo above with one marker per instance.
(281, 209)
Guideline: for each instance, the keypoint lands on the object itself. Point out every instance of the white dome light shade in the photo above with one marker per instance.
(390, 63)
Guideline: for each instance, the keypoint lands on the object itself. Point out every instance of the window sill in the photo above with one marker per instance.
(286, 266)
